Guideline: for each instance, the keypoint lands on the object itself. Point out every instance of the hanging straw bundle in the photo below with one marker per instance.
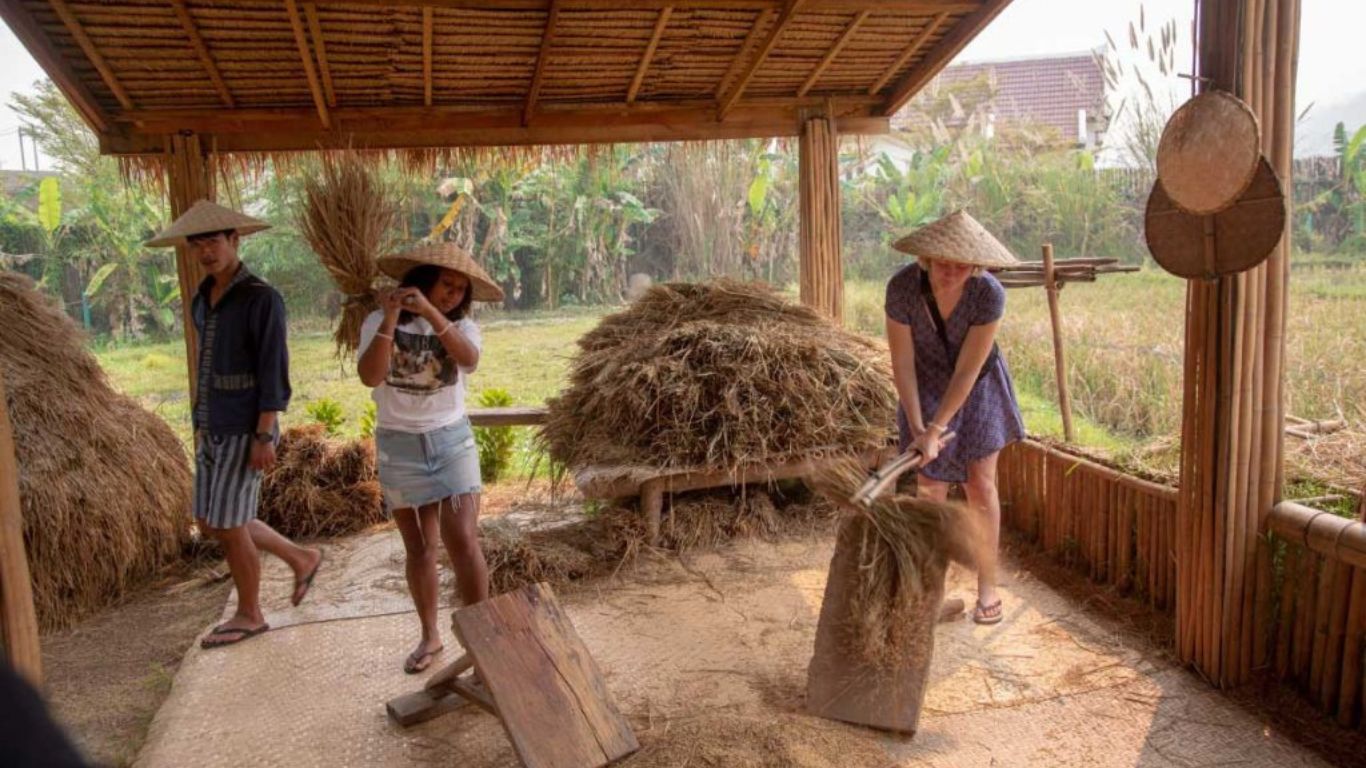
(346, 217)
(904, 546)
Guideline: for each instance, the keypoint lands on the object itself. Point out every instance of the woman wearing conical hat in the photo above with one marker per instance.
(417, 351)
(943, 310)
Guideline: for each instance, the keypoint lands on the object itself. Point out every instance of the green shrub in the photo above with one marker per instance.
(327, 412)
(367, 420)
(496, 444)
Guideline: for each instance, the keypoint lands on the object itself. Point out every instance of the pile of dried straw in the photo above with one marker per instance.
(346, 217)
(905, 544)
(321, 486)
(104, 485)
(718, 375)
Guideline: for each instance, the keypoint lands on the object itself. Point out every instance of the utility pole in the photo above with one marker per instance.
(23, 157)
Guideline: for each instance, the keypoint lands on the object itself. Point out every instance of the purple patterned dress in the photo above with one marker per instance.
(990, 418)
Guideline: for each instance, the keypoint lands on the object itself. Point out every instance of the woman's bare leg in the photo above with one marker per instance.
(460, 532)
(419, 529)
(983, 497)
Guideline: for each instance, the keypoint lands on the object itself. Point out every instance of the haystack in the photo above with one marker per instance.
(104, 484)
(715, 376)
(321, 486)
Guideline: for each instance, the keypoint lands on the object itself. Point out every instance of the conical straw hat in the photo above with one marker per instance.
(202, 218)
(443, 254)
(958, 238)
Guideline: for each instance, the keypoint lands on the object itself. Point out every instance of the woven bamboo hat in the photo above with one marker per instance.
(958, 238)
(443, 254)
(1209, 152)
(202, 218)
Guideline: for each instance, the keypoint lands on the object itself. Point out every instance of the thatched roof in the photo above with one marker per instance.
(266, 76)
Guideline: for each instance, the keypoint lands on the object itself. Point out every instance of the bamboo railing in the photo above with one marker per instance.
(1115, 528)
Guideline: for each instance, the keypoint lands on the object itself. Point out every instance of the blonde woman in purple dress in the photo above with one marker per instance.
(942, 314)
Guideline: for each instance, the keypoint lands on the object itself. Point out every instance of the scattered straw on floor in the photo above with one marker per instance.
(780, 741)
(104, 484)
(716, 375)
(321, 486)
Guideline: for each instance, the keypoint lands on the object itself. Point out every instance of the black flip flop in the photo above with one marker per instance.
(241, 633)
(413, 664)
(307, 582)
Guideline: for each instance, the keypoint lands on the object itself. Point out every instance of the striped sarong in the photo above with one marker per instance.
(226, 488)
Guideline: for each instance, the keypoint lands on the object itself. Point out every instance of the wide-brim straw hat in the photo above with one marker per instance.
(443, 254)
(957, 238)
(202, 218)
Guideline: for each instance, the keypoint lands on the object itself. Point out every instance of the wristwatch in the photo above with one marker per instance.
(263, 437)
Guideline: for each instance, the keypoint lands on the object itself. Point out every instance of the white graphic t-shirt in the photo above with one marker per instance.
(424, 389)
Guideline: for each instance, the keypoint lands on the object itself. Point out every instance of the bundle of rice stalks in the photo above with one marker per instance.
(347, 217)
(715, 376)
(104, 485)
(321, 486)
(904, 546)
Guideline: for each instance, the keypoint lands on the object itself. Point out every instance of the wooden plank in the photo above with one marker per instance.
(56, 67)
(542, 59)
(940, 55)
(18, 618)
(202, 51)
(785, 17)
(548, 691)
(420, 706)
(87, 46)
(834, 51)
(516, 416)
(649, 54)
(315, 28)
(617, 482)
(306, 56)
(427, 56)
(917, 43)
(885, 6)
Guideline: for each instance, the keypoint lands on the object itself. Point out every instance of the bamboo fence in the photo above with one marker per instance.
(1115, 528)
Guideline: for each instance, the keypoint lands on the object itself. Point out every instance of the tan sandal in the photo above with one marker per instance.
(988, 614)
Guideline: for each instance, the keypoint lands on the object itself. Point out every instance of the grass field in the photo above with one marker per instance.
(1124, 340)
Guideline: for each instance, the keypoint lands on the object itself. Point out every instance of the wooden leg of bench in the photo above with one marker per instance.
(652, 503)
(449, 672)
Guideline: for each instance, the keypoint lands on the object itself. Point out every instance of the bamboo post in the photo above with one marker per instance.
(18, 618)
(822, 276)
(1059, 357)
(189, 179)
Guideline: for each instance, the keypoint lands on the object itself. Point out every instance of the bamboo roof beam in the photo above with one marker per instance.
(73, 25)
(301, 41)
(925, 7)
(649, 54)
(919, 42)
(750, 40)
(834, 51)
(542, 58)
(315, 28)
(427, 55)
(202, 51)
(941, 53)
(785, 17)
(40, 47)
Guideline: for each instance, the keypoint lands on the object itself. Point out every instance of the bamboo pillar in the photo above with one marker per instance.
(189, 179)
(1051, 286)
(18, 618)
(822, 269)
(1232, 409)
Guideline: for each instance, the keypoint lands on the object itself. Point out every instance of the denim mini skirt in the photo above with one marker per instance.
(416, 469)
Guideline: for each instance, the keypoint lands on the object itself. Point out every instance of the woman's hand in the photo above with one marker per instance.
(928, 443)
(391, 301)
(413, 300)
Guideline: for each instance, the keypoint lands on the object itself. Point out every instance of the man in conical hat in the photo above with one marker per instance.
(242, 387)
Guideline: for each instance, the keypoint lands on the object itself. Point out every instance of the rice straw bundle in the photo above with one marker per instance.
(904, 544)
(104, 485)
(321, 486)
(718, 375)
(347, 217)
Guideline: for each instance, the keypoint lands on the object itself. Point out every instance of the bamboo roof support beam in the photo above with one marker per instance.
(202, 51)
(930, 28)
(925, 7)
(834, 51)
(426, 56)
(306, 56)
(542, 59)
(750, 40)
(649, 54)
(315, 29)
(941, 53)
(73, 25)
(38, 45)
(788, 13)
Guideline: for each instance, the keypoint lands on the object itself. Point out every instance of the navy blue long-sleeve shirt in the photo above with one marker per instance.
(243, 357)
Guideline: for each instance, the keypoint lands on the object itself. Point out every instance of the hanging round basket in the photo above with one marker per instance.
(1239, 237)
(1209, 152)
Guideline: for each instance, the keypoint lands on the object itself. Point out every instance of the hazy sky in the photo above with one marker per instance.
(1331, 66)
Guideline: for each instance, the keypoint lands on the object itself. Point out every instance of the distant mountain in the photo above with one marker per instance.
(1314, 135)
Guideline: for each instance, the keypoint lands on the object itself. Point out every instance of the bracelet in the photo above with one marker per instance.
(442, 332)
(942, 429)
(384, 336)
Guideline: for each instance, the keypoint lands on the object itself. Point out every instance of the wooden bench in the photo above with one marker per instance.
(515, 416)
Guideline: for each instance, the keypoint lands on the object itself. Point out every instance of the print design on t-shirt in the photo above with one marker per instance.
(420, 365)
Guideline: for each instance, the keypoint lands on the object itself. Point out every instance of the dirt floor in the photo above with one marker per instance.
(706, 656)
